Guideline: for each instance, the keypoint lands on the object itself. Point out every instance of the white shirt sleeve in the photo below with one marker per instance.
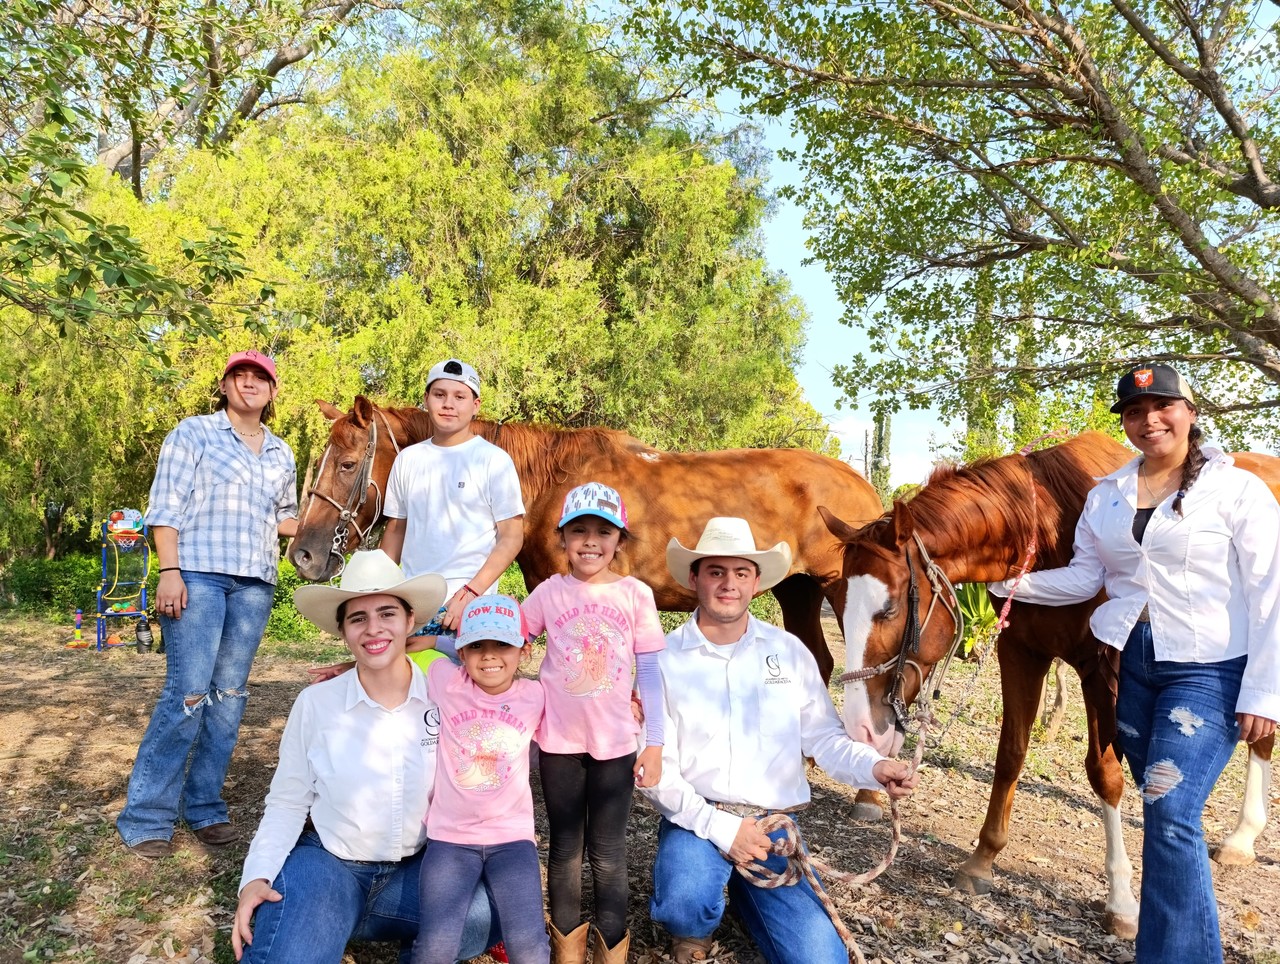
(1255, 538)
(288, 801)
(395, 505)
(823, 736)
(677, 800)
(1078, 581)
(505, 498)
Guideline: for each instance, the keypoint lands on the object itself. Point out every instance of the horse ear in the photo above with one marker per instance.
(361, 412)
(329, 410)
(904, 524)
(835, 525)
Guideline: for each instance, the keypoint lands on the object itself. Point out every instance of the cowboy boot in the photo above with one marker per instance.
(617, 954)
(687, 950)
(569, 948)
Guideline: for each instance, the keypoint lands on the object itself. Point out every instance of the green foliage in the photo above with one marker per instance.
(54, 588)
(506, 188)
(1018, 200)
(979, 616)
(285, 622)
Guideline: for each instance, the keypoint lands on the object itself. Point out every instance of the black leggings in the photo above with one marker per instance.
(588, 799)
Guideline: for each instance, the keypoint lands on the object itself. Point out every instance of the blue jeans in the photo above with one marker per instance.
(1176, 725)
(788, 924)
(329, 901)
(510, 874)
(181, 765)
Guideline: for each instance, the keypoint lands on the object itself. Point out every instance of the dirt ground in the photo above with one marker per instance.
(70, 723)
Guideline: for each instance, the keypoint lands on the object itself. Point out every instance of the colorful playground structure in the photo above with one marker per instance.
(122, 593)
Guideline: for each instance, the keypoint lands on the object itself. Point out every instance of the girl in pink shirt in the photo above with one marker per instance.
(480, 824)
(598, 624)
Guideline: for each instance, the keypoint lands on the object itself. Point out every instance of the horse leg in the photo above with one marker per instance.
(1021, 675)
(1051, 715)
(1106, 776)
(800, 597)
(1237, 849)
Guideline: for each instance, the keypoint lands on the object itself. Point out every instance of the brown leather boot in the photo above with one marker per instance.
(569, 948)
(686, 950)
(610, 955)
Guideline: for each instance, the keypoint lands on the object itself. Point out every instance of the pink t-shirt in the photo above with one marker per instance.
(593, 633)
(482, 791)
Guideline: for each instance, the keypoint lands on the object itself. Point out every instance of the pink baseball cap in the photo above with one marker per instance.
(254, 358)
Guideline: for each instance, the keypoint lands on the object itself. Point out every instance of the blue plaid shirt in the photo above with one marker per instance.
(224, 501)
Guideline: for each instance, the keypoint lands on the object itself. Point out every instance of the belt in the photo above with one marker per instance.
(1144, 616)
(751, 810)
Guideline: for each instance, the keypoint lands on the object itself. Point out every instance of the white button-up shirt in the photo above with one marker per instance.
(739, 721)
(362, 772)
(1210, 579)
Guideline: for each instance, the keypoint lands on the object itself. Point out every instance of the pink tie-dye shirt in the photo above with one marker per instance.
(482, 791)
(593, 633)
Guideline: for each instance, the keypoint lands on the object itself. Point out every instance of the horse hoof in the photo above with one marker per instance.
(868, 812)
(1123, 926)
(968, 884)
(1226, 856)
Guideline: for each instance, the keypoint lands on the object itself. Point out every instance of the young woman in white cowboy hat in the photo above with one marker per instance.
(337, 854)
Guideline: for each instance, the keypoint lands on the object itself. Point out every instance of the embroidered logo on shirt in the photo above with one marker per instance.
(462, 485)
(431, 721)
(774, 667)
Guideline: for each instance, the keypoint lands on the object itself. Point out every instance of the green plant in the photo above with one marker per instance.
(979, 615)
(285, 622)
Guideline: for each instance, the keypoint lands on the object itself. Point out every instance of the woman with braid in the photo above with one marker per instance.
(1185, 545)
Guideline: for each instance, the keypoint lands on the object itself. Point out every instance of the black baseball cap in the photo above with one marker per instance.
(1159, 380)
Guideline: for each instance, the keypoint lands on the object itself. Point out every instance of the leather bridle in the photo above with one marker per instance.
(348, 514)
(909, 648)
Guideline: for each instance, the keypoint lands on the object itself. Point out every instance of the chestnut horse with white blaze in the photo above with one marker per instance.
(977, 523)
(667, 494)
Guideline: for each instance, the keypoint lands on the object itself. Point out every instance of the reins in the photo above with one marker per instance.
(358, 497)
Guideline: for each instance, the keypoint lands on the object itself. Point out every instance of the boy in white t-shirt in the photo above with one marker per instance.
(453, 501)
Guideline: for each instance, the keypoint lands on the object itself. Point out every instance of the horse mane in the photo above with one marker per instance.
(990, 500)
(545, 455)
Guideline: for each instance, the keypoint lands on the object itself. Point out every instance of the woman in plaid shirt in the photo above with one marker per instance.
(225, 491)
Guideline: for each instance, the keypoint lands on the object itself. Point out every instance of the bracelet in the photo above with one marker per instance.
(474, 594)
(171, 569)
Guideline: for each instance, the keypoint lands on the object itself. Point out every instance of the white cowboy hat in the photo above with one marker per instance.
(371, 572)
(731, 537)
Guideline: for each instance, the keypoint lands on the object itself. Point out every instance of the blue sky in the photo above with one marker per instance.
(830, 341)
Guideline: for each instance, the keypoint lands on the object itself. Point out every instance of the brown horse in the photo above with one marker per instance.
(975, 523)
(667, 494)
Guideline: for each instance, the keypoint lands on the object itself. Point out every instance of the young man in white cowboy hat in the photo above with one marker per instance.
(453, 501)
(744, 705)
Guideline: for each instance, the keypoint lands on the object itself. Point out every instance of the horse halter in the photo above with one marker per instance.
(914, 628)
(359, 495)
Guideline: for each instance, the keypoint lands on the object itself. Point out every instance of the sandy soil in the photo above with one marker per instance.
(70, 723)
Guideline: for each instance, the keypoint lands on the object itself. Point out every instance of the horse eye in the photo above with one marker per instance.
(348, 465)
(888, 612)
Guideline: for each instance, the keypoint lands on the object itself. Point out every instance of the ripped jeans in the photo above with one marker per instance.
(1176, 724)
(182, 762)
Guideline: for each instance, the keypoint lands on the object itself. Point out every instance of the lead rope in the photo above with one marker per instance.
(802, 865)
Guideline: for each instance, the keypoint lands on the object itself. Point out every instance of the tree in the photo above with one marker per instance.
(1106, 171)
(119, 82)
(512, 192)
(880, 467)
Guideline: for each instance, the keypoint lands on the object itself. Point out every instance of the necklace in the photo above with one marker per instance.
(259, 432)
(1151, 494)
